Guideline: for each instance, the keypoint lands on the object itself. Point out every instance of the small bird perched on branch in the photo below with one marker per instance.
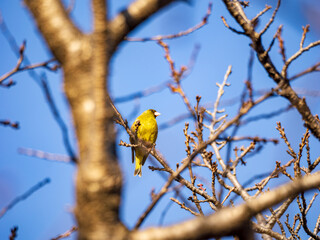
(145, 129)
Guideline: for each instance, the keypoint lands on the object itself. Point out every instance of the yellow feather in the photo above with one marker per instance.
(146, 129)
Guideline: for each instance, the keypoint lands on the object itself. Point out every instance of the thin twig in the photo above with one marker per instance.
(281, 44)
(24, 196)
(58, 118)
(66, 234)
(267, 8)
(183, 206)
(18, 68)
(305, 30)
(290, 151)
(41, 81)
(143, 93)
(296, 55)
(176, 76)
(271, 19)
(14, 125)
(44, 155)
(314, 68)
(231, 28)
(174, 121)
(177, 35)
(303, 211)
(273, 40)
(13, 234)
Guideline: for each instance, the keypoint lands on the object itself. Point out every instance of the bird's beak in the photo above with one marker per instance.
(156, 114)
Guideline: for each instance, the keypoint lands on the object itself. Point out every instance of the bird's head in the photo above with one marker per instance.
(154, 112)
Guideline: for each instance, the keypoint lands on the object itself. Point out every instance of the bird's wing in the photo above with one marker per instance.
(132, 154)
(144, 158)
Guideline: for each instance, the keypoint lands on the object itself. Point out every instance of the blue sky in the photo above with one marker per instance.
(137, 66)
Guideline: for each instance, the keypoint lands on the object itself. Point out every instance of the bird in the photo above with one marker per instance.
(145, 129)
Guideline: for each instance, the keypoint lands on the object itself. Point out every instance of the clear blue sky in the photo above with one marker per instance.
(137, 66)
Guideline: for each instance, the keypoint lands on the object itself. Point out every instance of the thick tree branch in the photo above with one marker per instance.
(136, 13)
(229, 221)
(63, 38)
(85, 61)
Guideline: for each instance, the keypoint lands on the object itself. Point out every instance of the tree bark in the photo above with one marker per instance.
(85, 64)
(85, 61)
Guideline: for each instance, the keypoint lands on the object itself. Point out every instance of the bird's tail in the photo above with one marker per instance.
(137, 170)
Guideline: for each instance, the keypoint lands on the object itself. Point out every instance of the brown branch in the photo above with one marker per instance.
(314, 68)
(22, 58)
(45, 155)
(136, 13)
(273, 40)
(13, 234)
(24, 196)
(258, 229)
(19, 69)
(290, 229)
(316, 227)
(281, 44)
(66, 234)
(178, 178)
(14, 125)
(296, 55)
(175, 120)
(157, 88)
(176, 76)
(291, 152)
(231, 28)
(280, 211)
(243, 154)
(99, 10)
(314, 164)
(85, 60)
(183, 206)
(57, 28)
(228, 220)
(175, 175)
(248, 138)
(271, 19)
(228, 195)
(278, 221)
(286, 91)
(19, 62)
(304, 211)
(233, 179)
(267, 8)
(42, 82)
(177, 35)
(305, 30)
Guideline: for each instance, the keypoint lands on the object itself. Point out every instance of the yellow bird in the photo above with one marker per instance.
(146, 129)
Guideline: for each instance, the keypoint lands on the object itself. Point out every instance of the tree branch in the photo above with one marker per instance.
(177, 35)
(228, 221)
(286, 91)
(136, 13)
(24, 196)
(63, 38)
(85, 61)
